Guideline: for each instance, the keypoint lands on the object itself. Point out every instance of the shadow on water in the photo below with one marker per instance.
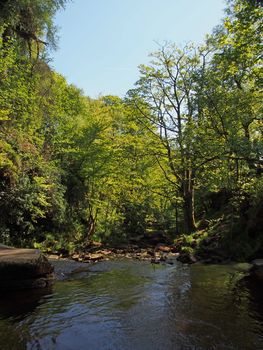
(254, 286)
(131, 305)
(16, 305)
(14, 308)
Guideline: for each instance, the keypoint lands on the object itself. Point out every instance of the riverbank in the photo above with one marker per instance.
(209, 246)
(95, 252)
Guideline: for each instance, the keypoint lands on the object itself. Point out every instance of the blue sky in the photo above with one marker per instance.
(102, 42)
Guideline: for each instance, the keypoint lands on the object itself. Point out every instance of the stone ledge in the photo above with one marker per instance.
(24, 268)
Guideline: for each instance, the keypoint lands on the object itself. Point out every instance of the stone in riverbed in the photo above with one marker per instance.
(163, 248)
(76, 256)
(24, 268)
(93, 257)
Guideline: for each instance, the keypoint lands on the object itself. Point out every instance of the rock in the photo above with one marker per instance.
(169, 262)
(186, 258)
(150, 252)
(257, 268)
(163, 248)
(93, 257)
(145, 255)
(155, 261)
(173, 255)
(174, 249)
(96, 244)
(163, 258)
(258, 263)
(171, 258)
(105, 251)
(75, 256)
(24, 268)
(53, 256)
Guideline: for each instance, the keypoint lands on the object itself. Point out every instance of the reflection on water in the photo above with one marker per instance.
(134, 305)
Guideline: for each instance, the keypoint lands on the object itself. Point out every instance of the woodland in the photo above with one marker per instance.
(181, 154)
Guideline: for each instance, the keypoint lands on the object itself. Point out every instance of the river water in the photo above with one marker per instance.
(132, 305)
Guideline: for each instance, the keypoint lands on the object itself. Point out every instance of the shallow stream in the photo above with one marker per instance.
(132, 305)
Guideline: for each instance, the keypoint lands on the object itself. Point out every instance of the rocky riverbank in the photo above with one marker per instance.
(96, 252)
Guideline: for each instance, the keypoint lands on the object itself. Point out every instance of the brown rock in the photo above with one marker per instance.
(145, 255)
(163, 248)
(105, 252)
(96, 244)
(53, 256)
(94, 256)
(75, 257)
(24, 268)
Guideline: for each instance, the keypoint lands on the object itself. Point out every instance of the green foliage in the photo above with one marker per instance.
(30, 23)
(182, 150)
(55, 243)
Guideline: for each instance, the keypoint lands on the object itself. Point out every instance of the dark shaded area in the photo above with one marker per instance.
(17, 304)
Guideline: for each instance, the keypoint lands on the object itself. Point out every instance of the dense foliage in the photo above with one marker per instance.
(182, 153)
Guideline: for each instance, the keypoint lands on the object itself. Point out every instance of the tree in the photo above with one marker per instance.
(30, 23)
(168, 86)
(232, 95)
(113, 171)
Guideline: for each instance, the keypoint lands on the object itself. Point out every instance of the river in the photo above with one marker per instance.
(132, 305)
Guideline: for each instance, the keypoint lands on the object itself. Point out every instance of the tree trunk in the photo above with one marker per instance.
(91, 228)
(188, 202)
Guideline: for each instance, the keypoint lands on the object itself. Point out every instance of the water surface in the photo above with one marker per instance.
(132, 305)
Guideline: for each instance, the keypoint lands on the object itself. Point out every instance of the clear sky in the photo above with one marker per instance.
(102, 42)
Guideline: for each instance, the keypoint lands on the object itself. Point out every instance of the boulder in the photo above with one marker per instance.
(24, 268)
